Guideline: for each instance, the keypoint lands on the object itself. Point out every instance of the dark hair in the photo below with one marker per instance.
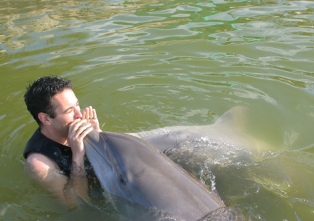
(39, 93)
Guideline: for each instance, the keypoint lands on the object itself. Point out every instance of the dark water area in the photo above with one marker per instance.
(151, 64)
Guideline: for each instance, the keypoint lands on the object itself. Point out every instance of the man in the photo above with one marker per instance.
(55, 153)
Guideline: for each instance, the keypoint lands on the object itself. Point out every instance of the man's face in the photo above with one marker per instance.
(67, 109)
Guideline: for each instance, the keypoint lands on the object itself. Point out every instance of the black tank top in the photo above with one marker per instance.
(62, 155)
(57, 152)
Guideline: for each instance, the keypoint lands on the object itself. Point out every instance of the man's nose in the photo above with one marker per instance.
(77, 113)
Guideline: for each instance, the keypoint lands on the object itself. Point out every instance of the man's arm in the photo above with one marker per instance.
(76, 188)
(47, 173)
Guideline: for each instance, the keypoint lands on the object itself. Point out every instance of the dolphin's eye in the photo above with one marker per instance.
(122, 180)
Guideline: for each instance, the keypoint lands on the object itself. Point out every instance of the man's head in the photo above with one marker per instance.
(39, 93)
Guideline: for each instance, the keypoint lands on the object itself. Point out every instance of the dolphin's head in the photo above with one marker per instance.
(105, 164)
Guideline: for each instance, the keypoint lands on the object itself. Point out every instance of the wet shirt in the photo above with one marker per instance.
(62, 155)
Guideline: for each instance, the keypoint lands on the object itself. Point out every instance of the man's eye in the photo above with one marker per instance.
(69, 110)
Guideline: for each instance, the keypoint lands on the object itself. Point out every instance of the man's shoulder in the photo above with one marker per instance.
(38, 158)
(39, 166)
(39, 143)
(34, 143)
(42, 152)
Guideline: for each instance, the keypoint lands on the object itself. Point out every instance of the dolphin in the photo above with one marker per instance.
(134, 166)
(131, 169)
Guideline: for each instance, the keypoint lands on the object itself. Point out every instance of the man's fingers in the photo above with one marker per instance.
(82, 128)
(83, 115)
(94, 114)
(78, 126)
(85, 132)
(75, 125)
(89, 113)
(87, 109)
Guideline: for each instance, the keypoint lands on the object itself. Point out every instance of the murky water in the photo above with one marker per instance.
(149, 64)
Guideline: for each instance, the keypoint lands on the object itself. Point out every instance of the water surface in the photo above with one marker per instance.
(149, 64)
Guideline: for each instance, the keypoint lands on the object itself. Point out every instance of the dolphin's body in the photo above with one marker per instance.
(134, 167)
(130, 168)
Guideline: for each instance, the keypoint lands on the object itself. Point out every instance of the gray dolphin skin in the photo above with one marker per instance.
(132, 169)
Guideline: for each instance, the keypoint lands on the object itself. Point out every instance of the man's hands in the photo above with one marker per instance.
(78, 129)
(90, 115)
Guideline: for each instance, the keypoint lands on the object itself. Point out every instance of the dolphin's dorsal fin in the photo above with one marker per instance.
(235, 118)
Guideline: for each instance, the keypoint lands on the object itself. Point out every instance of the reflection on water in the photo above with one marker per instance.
(149, 64)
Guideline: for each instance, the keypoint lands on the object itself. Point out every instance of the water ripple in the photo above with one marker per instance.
(147, 64)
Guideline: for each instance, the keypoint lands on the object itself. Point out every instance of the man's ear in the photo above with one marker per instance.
(44, 118)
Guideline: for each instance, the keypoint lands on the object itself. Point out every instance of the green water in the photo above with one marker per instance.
(149, 64)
